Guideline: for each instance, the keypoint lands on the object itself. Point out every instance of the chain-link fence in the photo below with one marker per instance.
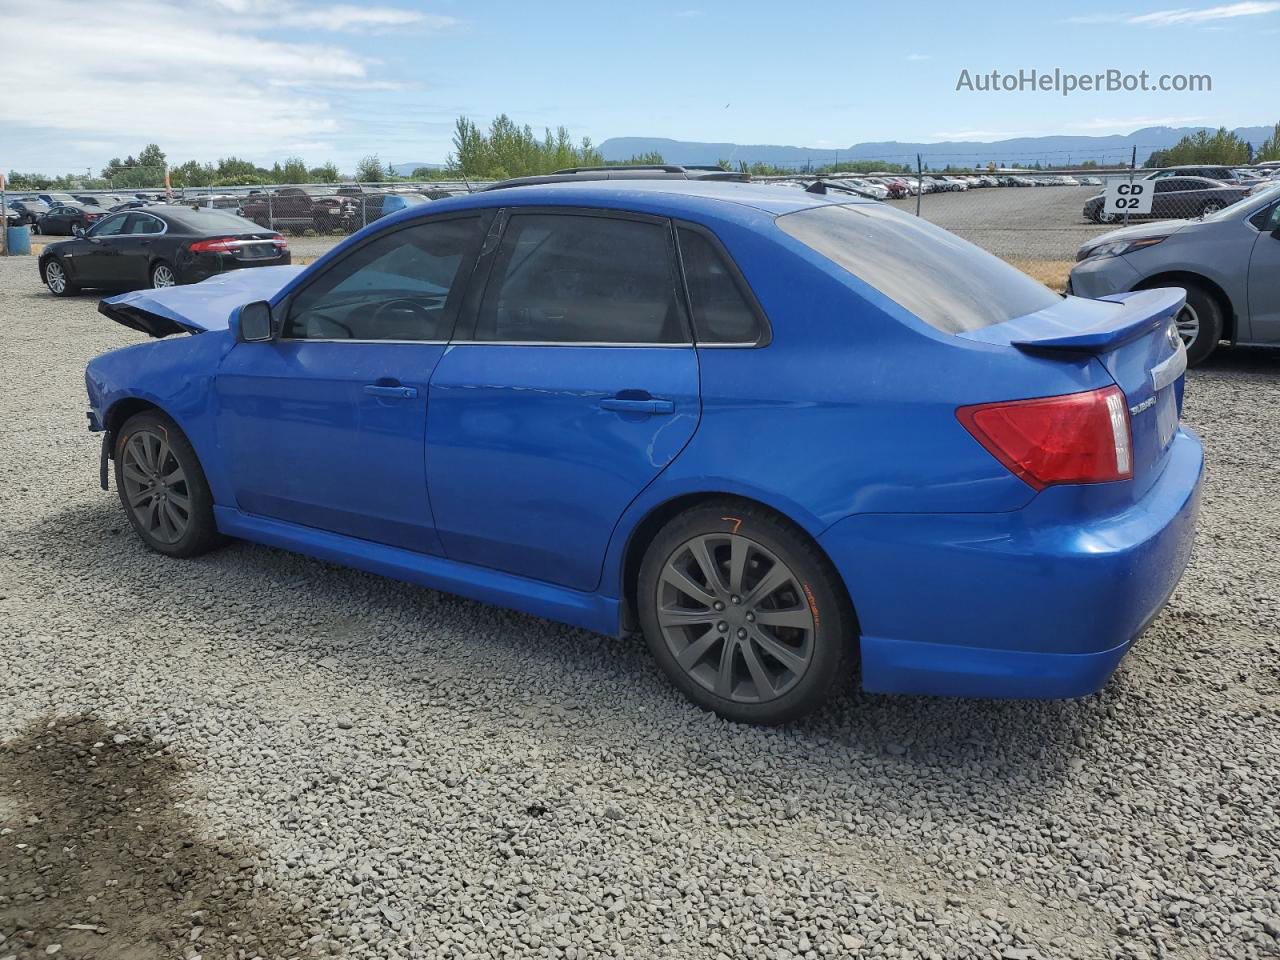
(1037, 220)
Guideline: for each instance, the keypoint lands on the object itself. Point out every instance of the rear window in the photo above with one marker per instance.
(945, 281)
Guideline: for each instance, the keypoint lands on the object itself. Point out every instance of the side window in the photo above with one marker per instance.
(571, 278)
(721, 311)
(395, 287)
(111, 226)
(1267, 219)
(144, 223)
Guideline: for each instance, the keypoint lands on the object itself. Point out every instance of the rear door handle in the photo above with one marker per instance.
(398, 392)
(651, 405)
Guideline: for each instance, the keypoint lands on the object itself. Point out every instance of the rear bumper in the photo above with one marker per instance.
(1027, 604)
(201, 266)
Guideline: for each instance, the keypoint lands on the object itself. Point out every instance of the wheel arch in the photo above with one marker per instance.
(1178, 278)
(121, 410)
(646, 528)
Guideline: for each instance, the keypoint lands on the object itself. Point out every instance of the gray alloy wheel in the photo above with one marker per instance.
(156, 490)
(55, 277)
(162, 276)
(1213, 206)
(735, 618)
(1188, 325)
(1106, 216)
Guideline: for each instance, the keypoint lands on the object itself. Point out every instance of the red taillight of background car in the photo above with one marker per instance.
(280, 242)
(1075, 438)
(217, 245)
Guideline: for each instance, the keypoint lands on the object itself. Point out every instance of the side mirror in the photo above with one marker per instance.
(255, 324)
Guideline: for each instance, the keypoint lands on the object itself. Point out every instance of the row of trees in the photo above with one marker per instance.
(1222, 146)
(509, 150)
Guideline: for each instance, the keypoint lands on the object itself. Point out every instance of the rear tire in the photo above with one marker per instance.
(163, 275)
(1213, 206)
(751, 657)
(162, 486)
(1200, 324)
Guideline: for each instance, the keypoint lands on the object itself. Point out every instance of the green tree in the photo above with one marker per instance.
(370, 170)
(294, 171)
(509, 150)
(1221, 146)
(326, 173)
(192, 174)
(1270, 149)
(231, 169)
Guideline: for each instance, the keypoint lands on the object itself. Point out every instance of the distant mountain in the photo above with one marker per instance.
(1048, 151)
(405, 169)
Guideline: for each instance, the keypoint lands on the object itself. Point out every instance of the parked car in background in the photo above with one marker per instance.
(375, 206)
(1175, 197)
(578, 422)
(158, 246)
(104, 200)
(53, 199)
(299, 209)
(29, 209)
(12, 218)
(1206, 171)
(131, 205)
(68, 219)
(1227, 263)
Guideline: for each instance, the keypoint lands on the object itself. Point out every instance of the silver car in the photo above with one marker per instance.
(1228, 262)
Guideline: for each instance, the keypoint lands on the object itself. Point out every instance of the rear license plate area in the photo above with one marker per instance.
(1166, 416)
(257, 252)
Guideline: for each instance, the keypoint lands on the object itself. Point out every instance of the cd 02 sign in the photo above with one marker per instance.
(1125, 197)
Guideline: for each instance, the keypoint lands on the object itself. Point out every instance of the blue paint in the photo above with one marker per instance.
(518, 474)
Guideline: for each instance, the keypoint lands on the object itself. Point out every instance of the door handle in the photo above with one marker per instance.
(650, 406)
(398, 392)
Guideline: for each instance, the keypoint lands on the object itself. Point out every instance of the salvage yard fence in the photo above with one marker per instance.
(1035, 219)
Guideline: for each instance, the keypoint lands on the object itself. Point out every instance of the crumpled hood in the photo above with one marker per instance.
(198, 307)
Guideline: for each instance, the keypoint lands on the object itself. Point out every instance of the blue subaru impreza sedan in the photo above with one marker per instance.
(785, 435)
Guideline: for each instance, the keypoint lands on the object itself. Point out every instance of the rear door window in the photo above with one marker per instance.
(945, 281)
(576, 278)
(722, 312)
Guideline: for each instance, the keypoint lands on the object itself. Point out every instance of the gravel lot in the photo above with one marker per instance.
(1017, 223)
(257, 754)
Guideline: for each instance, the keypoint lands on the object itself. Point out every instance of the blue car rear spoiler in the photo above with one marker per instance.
(1087, 326)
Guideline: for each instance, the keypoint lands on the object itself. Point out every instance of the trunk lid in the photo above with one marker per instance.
(1134, 337)
(199, 307)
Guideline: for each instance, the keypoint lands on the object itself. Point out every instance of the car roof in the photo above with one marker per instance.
(668, 197)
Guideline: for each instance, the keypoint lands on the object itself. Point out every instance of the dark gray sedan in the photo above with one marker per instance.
(1176, 197)
(1227, 262)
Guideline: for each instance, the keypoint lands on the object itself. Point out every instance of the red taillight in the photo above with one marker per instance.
(280, 242)
(218, 245)
(1076, 438)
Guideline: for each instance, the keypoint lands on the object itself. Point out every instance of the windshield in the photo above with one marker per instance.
(945, 281)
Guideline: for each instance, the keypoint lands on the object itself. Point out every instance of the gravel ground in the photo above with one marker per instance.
(257, 754)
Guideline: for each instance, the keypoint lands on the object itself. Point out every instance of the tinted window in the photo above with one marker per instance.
(945, 281)
(721, 313)
(563, 278)
(395, 287)
(110, 226)
(145, 223)
(1267, 219)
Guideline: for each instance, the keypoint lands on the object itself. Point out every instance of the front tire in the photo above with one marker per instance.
(1200, 324)
(57, 280)
(744, 614)
(162, 486)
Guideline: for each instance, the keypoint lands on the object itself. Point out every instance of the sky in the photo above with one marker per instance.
(82, 81)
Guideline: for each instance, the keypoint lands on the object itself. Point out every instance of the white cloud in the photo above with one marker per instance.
(336, 18)
(1128, 124)
(198, 78)
(918, 56)
(1251, 8)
